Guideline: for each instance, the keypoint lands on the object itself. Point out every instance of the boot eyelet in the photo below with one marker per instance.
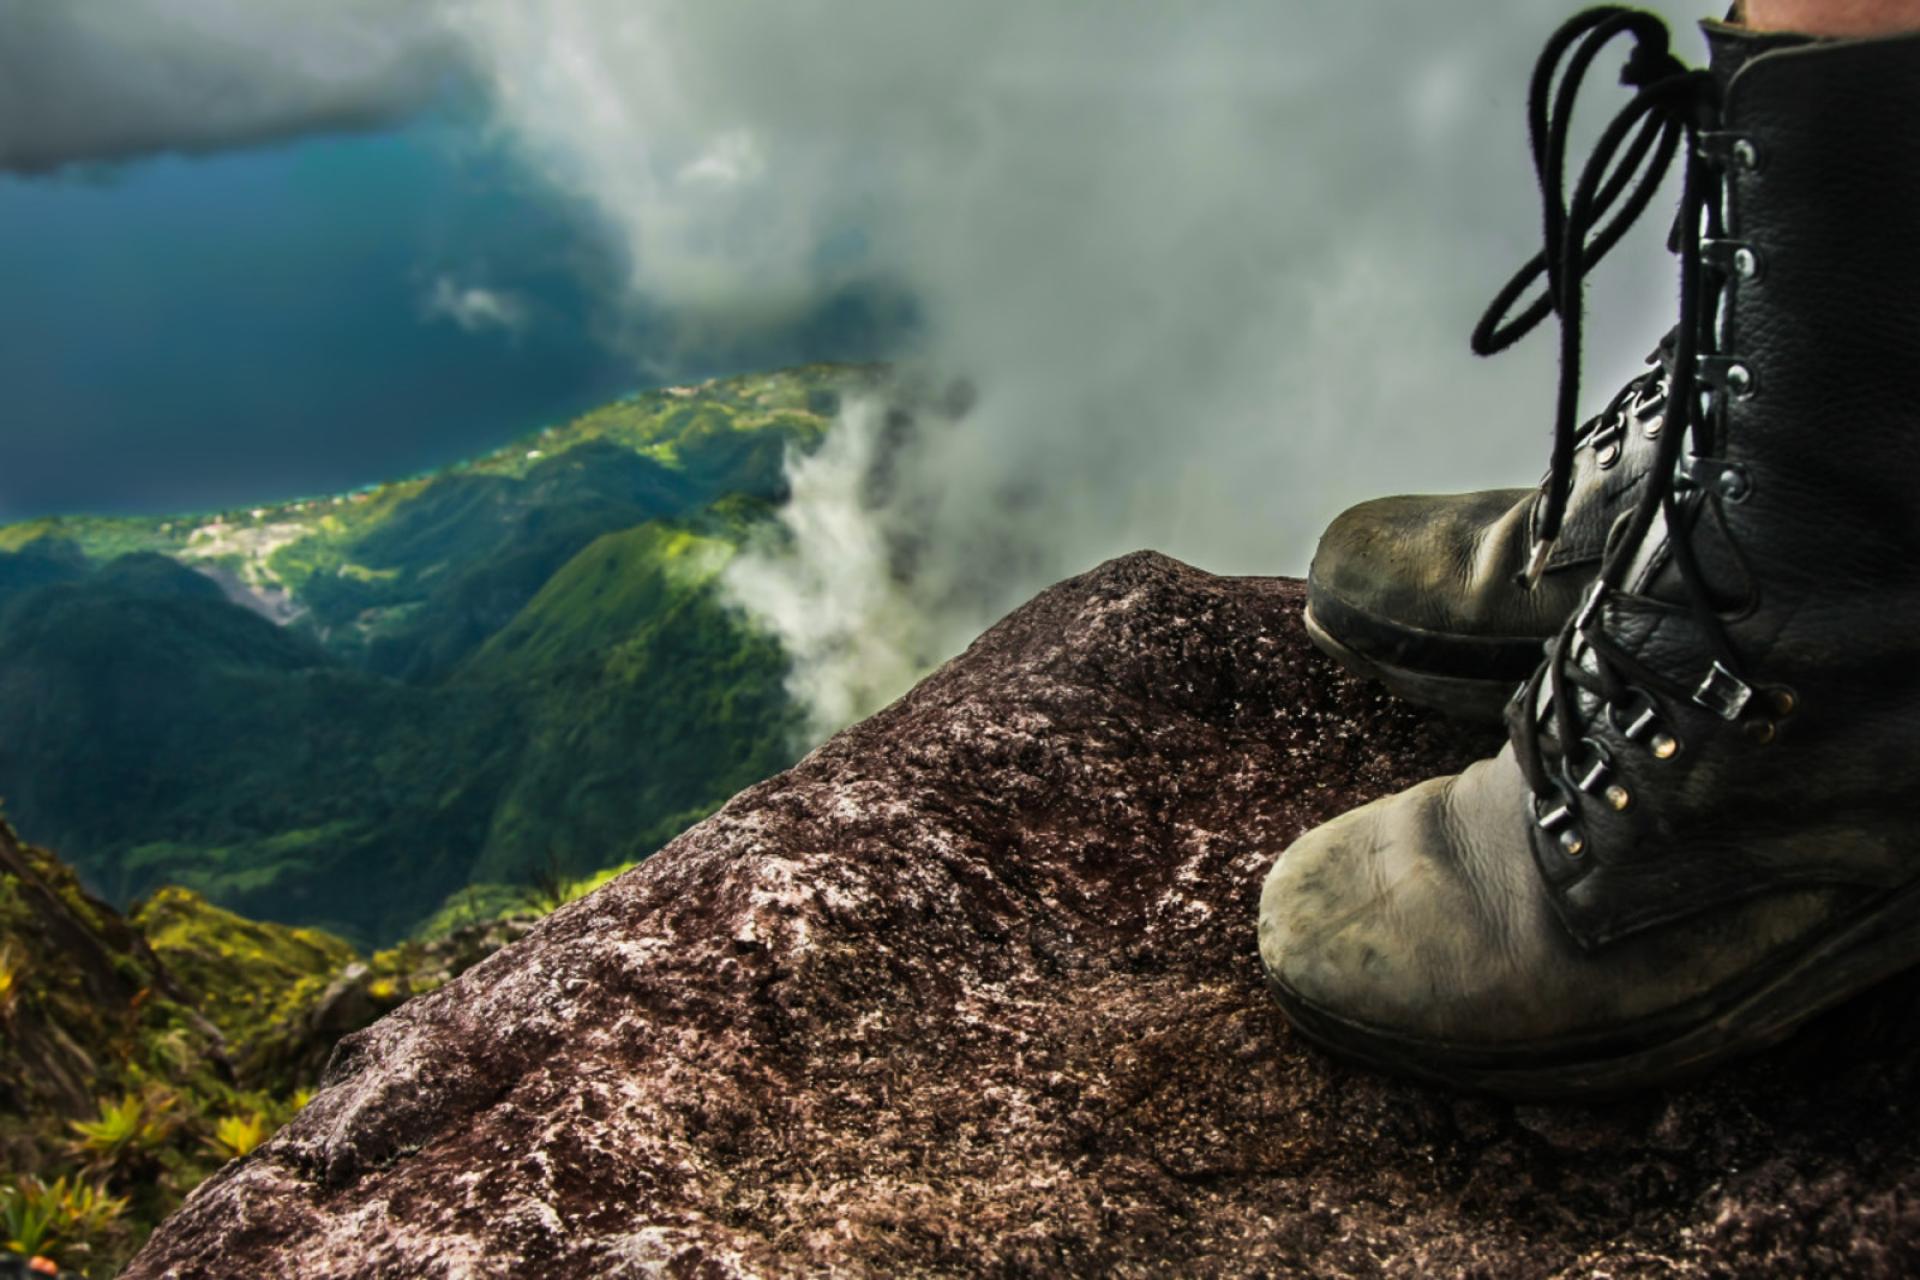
(1731, 481)
(1664, 746)
(1745, 155)
(1740, 381)
(1651, 427)
(1572, 843)
(1746, 263)
(1760, 732)
(1619, 797)
(1605, 440)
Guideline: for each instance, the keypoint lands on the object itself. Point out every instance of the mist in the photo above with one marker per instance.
(1210, 269)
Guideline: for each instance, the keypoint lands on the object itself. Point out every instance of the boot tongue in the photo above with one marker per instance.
(1731, 46)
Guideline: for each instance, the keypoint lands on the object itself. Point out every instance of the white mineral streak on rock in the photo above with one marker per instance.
(636, 954)
(777, 906)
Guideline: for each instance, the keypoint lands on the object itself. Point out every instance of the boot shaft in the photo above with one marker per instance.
(1779, 623)
(1820, 338)
(1808, 528)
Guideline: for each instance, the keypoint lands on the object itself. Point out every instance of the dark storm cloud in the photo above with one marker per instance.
(87, 82)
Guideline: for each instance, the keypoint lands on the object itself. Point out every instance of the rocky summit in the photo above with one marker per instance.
(973, 990)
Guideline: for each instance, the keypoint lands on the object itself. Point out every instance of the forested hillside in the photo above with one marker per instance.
(349, 711)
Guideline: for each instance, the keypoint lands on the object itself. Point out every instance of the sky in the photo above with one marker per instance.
(194, 332)
(1210, 266)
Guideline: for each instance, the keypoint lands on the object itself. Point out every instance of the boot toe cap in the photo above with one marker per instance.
(1419, 591)
(1356, 924)
(1415, 933)
(1411, 559)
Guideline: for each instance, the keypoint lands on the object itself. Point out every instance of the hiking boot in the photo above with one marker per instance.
(1429, 595)
(1447, 599)
(1705, 827)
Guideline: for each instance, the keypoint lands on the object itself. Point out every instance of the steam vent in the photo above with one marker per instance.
(973, 990)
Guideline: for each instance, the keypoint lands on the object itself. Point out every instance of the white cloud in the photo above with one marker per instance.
(474, 308)
(733, 159)
(827, 587)
(1211, 266)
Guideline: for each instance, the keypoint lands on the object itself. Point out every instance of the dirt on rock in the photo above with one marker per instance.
(973, 990)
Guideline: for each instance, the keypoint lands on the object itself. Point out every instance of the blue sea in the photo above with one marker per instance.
(200, 332)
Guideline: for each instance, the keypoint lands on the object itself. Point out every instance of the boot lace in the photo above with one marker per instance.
(1672, 104)
(1640, 401)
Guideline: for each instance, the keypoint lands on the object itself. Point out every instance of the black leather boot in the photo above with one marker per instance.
(1706, 825)
(1447, 598)
(1430, 593)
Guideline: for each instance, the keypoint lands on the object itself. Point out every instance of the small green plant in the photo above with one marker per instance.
(469, 912)
(172, 1053)
(127, 1131)
(11, 964)
(60, 1219)
(234, 1136)
(29, 1216)
(548, 884)
(548, 889)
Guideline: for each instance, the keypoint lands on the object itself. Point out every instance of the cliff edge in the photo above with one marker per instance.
(973, 989)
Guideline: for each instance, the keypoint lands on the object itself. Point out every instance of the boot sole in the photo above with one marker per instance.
(1877, 945)
(1462, 697)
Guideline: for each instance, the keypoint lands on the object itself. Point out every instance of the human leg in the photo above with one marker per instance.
(1832, 17)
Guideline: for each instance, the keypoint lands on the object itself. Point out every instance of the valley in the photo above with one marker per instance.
(348, 711)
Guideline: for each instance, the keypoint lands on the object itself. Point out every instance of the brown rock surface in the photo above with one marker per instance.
(973, 990)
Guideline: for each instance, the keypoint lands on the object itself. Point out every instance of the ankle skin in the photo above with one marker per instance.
(1846, 18)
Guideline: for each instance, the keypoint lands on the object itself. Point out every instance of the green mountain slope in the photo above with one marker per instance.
(171, 737)
(111, 1082)
(139, 1053)
(343, 711)
(648, 702)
